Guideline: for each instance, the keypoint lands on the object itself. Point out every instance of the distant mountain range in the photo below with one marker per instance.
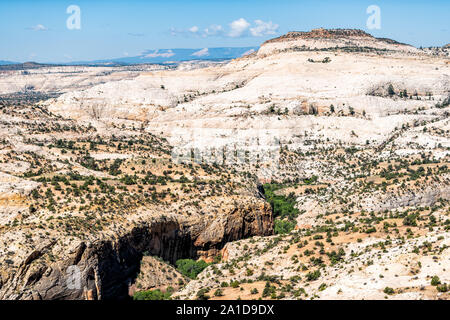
(3, 62)
(163, 56)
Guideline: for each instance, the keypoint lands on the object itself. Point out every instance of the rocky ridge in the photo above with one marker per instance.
(359, 128)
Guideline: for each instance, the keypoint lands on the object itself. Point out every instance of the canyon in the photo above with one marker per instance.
(313, 168)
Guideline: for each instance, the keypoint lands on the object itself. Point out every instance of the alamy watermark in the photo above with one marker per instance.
(230, 147)
(374, 20)
(73, 280)
(73, 22)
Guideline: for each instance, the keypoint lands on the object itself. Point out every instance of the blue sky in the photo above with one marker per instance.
(37, 31)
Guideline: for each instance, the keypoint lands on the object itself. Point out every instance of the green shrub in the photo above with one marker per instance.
(435, 281)
(314, 275)
(391, 90)
(410, 220)
(442, 288)
(388, 290)
(201, 294)
(191, 268)
(283, 208)
(152, 295)
(269, 290)
(283, 226)
(218, 293)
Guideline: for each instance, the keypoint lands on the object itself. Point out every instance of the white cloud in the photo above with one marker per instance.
(246, 53)
(193, 29)
(238, 28)
(201, 53)
(38, 27)
(213, 30)
(263, 28)
(174, 32)
(157, 54)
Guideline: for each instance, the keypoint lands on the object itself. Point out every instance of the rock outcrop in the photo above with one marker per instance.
(157, 274)
(321, 33)
(352, 128)
(329, 39)
(426, 197)
(104, 269)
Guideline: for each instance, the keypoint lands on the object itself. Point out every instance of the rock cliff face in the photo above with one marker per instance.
(241, 223)
(107, 267)
(157, 274)
(352, 127)
(427, 197)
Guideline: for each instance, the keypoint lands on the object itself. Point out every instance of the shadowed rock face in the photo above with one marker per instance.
(108, 267)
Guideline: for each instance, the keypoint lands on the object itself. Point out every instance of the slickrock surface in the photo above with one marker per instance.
(334, 140)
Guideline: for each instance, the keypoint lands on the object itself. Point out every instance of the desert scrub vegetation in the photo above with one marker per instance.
(191, 268)
(155, 294)
(283, 208)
